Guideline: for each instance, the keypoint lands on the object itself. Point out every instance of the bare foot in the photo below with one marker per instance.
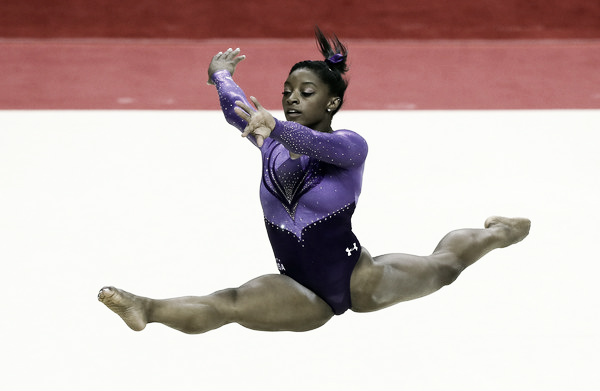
(131, 308)
(514, 229)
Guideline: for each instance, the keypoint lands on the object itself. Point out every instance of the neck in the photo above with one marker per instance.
(324, 127)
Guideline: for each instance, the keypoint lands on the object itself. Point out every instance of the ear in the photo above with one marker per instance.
(333, 104)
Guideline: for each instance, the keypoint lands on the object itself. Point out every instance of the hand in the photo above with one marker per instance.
(260, 122)
(224, 61)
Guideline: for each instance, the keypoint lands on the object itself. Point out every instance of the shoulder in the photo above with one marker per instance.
(348, 133)
(354, 139)
(351, 147)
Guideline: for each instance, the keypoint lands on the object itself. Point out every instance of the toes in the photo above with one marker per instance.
(105, 292)
(526, 224)
(493, 220)
(516, 228)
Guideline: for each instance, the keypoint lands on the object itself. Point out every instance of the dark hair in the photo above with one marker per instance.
(332, 69)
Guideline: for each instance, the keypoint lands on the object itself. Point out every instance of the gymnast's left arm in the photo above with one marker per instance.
(342, 148)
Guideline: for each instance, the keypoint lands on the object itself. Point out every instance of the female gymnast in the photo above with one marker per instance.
(311, 180)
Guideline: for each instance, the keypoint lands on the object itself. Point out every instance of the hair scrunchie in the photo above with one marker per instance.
(335, 59)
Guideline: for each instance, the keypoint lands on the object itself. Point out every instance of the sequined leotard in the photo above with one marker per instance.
(308, 202)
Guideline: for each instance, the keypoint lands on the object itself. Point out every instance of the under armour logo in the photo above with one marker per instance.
(349, 250)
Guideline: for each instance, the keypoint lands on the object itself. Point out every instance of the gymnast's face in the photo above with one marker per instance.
(306, 99)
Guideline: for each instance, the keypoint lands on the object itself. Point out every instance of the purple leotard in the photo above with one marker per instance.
(308, 202)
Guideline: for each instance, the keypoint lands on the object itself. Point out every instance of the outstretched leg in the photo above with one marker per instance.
(389, 279)
(268, 303)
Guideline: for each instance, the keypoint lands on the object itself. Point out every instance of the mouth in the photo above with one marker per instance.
(292, 113)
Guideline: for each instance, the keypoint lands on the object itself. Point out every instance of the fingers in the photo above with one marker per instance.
(218, 56)
(258, 137)
(239, 59)
(246, 131)
(230, 55)
(235, 56)
(247, 108)
(256, 103)
(260, 140)
(242, 113)
(260, 134)
(244, 106)
(227, 60)
(257, 125)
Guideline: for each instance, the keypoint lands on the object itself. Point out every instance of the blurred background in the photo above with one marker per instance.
(116, 168)
(430, 54)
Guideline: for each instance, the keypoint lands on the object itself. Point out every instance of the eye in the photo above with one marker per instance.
(307, 93)
(286, 93)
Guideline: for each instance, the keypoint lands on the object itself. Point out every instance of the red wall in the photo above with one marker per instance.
(200, 19)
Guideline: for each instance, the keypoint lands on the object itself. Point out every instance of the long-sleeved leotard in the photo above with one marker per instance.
(308, 202)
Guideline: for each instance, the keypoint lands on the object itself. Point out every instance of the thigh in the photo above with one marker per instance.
(382, 281)
(275, 302)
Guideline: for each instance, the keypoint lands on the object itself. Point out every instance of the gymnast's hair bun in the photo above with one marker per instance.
(333, 50)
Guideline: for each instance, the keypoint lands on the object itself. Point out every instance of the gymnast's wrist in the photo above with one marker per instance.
(220, 75)
(277, 129)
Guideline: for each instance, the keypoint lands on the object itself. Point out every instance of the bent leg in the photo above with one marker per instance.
(389, 279)
(268, 303)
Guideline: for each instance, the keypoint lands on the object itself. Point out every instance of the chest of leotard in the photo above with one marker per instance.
(295, 193)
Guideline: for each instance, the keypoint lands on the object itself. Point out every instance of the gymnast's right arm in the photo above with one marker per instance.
(220, 73)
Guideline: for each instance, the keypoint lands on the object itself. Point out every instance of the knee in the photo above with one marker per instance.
(449, 272)
(226, 302)
(363, 301)
(365, 277)
(369, 293)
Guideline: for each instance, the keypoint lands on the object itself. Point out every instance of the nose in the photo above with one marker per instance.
(292, 98)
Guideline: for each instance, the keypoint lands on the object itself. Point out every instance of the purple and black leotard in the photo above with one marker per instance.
(308, 202)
